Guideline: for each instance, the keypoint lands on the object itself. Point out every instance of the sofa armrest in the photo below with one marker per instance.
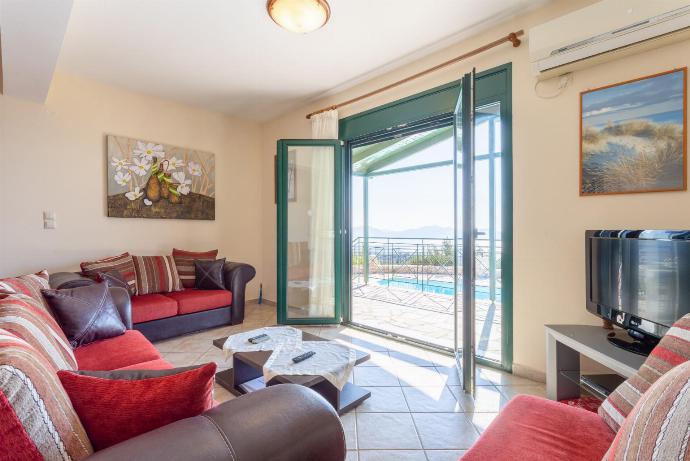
(280, 423)
(65, 280)
(124, 305)
(236, 276)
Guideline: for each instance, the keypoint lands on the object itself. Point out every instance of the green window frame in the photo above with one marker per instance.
(425, 110)
(282, 237)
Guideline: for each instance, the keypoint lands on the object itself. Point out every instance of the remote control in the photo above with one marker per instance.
(303, 357)
(259, 339)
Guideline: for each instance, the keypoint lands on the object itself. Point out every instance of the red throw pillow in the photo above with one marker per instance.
(115, 406)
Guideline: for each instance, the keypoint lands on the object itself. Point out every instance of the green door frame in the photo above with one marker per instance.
(282, 219)
(424, 110)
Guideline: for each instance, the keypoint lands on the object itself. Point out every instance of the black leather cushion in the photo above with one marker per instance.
(209, 274)
(85, 314)
(114, 278)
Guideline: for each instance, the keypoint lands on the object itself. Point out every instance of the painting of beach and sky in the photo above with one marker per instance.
(633, 136)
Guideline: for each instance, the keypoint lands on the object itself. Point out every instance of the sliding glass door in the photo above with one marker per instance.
(409, 232)
(309, 231)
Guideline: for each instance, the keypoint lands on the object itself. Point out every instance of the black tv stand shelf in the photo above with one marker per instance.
(599, 386)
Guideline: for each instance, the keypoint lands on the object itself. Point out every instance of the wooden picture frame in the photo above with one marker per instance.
(633, 136)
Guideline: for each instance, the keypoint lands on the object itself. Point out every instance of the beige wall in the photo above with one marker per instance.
(549, 216)
(52, 157)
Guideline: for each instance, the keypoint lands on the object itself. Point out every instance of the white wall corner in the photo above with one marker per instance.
(31, 33)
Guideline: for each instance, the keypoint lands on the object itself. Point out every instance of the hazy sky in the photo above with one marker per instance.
(425, 197)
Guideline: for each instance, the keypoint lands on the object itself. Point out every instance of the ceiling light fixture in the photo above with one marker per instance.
(301, 16)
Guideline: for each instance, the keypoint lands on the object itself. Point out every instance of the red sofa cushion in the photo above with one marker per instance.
(158, 364)
(535, 429)
(152, 307)
(191, 300)
(116, 408)
(120, 351)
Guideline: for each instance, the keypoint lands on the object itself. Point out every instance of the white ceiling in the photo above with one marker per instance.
(228, 55)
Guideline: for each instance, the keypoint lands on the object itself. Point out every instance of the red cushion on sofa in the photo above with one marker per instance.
(191, 300)
(159, 364)
(115, 410)
(16, 442)
(152, 307)
(120, 351)
(535, 429)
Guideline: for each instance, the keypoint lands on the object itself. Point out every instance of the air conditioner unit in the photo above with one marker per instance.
(606, 30)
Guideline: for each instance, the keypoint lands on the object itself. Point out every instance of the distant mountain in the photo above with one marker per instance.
(420, 232)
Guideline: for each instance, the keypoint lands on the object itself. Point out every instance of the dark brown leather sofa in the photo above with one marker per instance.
(280, 423)
(176, 322)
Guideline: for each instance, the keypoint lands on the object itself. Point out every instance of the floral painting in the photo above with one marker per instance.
(152, 180)
(633, 136)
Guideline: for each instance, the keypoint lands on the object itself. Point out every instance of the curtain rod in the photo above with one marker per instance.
(511, 37)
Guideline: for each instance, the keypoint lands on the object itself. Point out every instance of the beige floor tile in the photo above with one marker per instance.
(511, 391)
(195, 343)
(221, 394)
(384, 400)
(352, 455)
(431, 399)
(411, 358)
(218, 356)
(486, 399)
(481, 420)
(386, 431)
(450, 374)
(374, 376)
(392, 455)
(182, 359)
(349, 422)
(444, 455)
(502, 378)
(419, 376)
(377, 359)
(445, 430)
(169, 345)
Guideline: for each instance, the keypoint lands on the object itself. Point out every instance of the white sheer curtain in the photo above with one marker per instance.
(322, 232)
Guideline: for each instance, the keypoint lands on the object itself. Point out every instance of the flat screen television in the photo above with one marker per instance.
(639, 280)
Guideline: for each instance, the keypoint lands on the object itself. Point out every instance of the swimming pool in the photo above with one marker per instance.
(437, 287)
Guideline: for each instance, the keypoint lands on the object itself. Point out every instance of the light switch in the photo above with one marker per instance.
(49, 220)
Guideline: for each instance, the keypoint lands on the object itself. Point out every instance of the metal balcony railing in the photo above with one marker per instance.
(423, 264)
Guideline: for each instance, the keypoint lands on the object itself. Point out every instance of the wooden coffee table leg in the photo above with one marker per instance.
(243, 372)
(345, 400)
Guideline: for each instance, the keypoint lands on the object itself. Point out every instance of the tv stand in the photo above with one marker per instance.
(564, 346)
(639, 347)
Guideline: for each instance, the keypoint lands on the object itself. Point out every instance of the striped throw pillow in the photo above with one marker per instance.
(25, 317)
(121, 263)
(37, 418)
(658, 427)
(184, 260)
(156, 274)
(30, 285)
(672, 350)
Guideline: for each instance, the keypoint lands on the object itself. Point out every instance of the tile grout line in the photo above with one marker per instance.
(414, 423)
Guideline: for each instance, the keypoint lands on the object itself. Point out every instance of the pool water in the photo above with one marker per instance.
(437, 287)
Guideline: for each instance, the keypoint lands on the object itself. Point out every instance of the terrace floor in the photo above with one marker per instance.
(417, 410)
(425, 317)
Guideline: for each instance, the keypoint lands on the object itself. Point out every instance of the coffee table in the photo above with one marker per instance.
(248, 366)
